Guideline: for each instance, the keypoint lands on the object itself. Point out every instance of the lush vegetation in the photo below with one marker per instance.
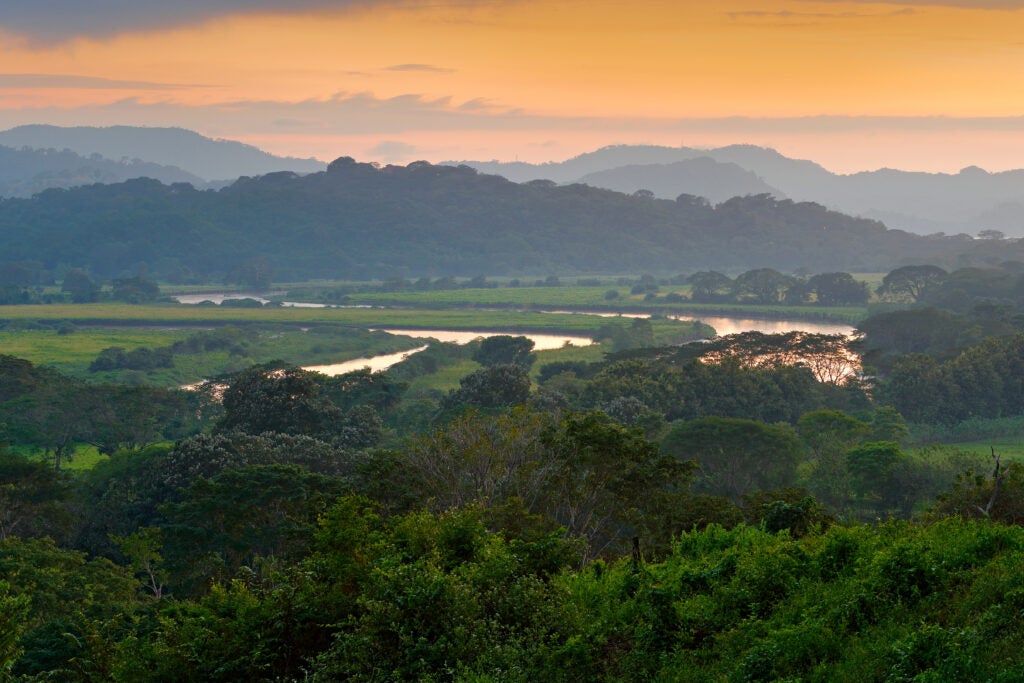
(347, 223)
(758, 507)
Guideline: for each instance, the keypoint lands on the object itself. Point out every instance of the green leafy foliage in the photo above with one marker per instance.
(290, 400)
(736, 456)
(450, 220)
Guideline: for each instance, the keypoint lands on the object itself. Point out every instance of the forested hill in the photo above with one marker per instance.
(25, 172)
(359, 220)
(207, 158)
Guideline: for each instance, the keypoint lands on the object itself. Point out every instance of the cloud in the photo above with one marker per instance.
(363, 113)
(393, 150)
(476, 104)
(963, 4)
(57, 21)
(790, 18)
(66, 81)
(420, 67)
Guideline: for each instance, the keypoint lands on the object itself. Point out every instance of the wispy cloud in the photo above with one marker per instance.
(363, 113)
(56, 21)
(791, 17)
(69, 81)
(429, 68)
(393, 150)
(964, 4)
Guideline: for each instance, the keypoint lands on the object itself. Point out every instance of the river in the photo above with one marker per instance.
(542, 342)
(374, 363)
(723, 325)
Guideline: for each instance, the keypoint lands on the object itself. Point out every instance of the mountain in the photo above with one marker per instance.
(201, 156)
(702, 176)
(25, 172)
(964, 202)
(362, 221)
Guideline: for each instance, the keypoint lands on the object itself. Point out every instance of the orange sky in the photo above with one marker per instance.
(853, 85)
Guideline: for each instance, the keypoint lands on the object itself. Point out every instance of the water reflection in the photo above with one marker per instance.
(724, 326)
(374, 363)
(541, 342)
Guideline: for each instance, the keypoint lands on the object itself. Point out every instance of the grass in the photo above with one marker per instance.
(70, 351)
(1007, 448)
(593, 298)
(334, 335)
(199, 316)
(586, 354)
(73, 353)
(84, 457)
(444, 379)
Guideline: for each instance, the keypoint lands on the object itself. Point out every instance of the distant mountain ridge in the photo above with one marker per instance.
(203, 157)
(362, 221)
(701, 176)
(25, 172)
(966, 202)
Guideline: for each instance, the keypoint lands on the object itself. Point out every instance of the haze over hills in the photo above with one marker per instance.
(363, 221)
(25, 172)
(209, 159)
(968, 201)
(702, 177)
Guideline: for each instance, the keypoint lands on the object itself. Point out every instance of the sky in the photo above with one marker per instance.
(929, 85)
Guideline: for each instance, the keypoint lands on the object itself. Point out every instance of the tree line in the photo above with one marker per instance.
(360, 222)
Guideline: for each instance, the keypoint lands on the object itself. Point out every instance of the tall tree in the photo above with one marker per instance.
(504, 349)
(736, 456)
(765, 285)
(911, 282)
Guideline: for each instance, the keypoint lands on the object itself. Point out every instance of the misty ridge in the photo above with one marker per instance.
(966, 202)
(173, 154)
(37, 157)
(363, 221)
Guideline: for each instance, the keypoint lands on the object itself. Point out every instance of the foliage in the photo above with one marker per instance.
(911, 282)
(680, 388)
(498, 386)
(504, 349)
(290, 400)
(982, 381)
(450, 221)
(33, 497)
(134, 290)
(736, 456)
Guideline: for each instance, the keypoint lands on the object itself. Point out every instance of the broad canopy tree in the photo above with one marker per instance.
(736, 456)
(290, 400)
(911, 282)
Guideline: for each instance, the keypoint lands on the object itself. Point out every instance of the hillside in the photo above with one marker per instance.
(964, 202)
(360, 221)
(702, 177)
(25, 172)
(199, 155)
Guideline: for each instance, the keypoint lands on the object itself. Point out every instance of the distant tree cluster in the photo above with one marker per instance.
(449, 221)
(766, 286)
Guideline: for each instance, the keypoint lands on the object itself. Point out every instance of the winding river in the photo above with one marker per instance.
(723, 325)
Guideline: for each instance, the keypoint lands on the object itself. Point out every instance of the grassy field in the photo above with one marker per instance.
(200, 316)
(586, 354)
(444, 379)
(1007, 448)
(84, 457)
(593, 298)
(69, 351)
(69, 337)
(73, 353)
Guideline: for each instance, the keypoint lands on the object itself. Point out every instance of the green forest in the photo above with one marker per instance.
(361, 221)
(755, 507)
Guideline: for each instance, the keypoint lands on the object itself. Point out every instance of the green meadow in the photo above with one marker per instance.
(69, 337)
